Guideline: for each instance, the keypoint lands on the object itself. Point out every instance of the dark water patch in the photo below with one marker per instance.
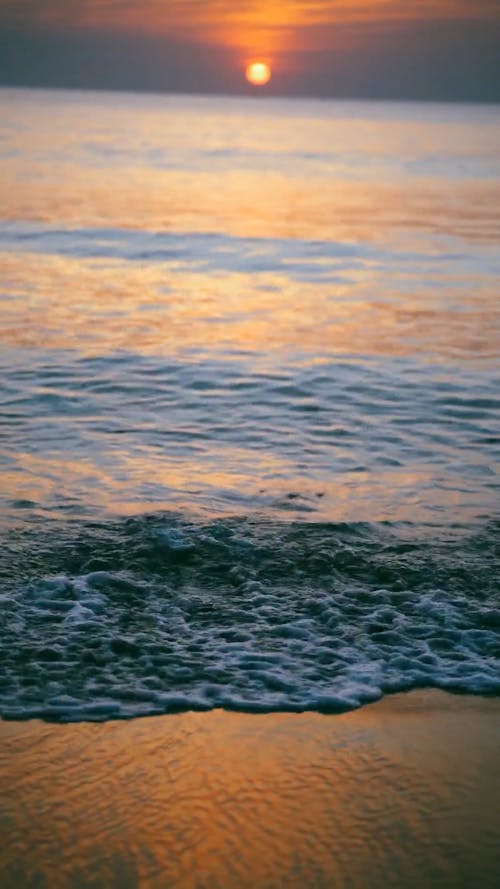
(156, 614)
(297, 259)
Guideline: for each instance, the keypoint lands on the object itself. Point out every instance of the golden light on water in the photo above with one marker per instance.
(258, 73)
(145, 279)
(242, 797)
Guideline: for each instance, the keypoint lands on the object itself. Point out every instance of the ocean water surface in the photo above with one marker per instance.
(250, 402)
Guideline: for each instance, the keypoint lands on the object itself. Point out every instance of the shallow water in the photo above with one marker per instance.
(405, 792)
(250, 402)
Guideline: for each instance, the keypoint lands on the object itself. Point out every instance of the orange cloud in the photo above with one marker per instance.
(194, 15)
(255, 26)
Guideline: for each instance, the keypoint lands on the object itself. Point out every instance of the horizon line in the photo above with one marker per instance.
(246, 94)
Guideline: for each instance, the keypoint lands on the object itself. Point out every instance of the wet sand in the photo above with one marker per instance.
(400, 793)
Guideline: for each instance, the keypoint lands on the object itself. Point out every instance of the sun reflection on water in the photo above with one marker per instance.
(277, 253)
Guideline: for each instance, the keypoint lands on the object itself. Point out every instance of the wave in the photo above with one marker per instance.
(296, 258)
(156, 614)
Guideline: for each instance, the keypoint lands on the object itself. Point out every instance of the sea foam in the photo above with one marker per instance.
(246, 615)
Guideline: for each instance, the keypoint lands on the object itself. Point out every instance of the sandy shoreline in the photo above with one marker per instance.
(400, 793)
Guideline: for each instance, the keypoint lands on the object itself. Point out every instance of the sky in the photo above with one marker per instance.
(418, 49)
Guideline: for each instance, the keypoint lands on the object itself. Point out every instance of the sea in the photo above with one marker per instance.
(250, 403)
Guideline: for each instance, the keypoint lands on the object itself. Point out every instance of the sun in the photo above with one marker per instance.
(258, 73)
